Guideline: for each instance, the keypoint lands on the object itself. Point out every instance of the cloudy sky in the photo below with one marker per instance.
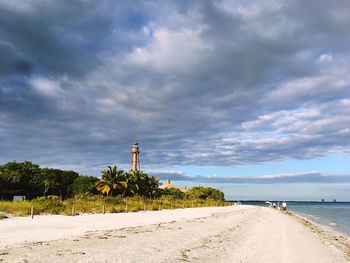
(212, 89)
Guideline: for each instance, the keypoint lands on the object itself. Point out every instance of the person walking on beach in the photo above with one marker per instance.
(284, 206)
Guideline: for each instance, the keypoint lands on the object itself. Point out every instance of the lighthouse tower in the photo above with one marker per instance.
(135, 161)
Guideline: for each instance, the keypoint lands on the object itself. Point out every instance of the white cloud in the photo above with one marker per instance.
(325, 57)
(177, 50)
(249, 9)
(296, 133)
(309, 88)
(271, 176)
(46, 86)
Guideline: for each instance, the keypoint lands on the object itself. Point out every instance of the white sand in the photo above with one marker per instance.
(219, 234)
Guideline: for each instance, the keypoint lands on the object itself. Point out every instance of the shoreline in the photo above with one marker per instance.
(214, 234)
(331, 223)
(338, 224)
(326, 233)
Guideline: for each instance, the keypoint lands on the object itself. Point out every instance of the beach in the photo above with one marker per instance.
(214, 234)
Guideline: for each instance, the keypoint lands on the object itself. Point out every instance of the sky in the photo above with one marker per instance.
(258, 90)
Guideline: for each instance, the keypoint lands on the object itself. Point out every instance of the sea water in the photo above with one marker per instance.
(332, 214)
(335, 215)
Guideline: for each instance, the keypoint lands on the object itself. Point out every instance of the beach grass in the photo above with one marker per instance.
(100, 204)
(15, 208)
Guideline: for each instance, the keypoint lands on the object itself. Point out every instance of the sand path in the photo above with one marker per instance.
(226, 234)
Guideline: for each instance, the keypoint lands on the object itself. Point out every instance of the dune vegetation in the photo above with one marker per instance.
(100, 204)
(53, 191)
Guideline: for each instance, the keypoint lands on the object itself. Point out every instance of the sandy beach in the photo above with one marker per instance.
(215, 234)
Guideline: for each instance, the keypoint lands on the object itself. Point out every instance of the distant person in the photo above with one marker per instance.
(274, 205)
(284, 206)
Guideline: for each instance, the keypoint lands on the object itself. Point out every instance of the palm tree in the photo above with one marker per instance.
(133, 183)
(153, 185)
(112, 181)
(140, 183)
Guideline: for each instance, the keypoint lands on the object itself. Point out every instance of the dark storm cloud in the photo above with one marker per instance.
(203, 83)
(66, 37)
(12, 63)
(57, 37)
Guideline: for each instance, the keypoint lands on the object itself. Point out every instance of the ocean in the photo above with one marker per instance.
(332, 214)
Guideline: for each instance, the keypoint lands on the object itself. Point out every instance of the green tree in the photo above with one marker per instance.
(172, 193)
(66, 181)
(153, 186)
(46, 180)
(85, 184)
(112, 182)
(56, 181)
(140, 183)
(19, 175)
(200, 192)
(36, 181)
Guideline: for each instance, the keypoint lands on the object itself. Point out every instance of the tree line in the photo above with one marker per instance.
(36, 181)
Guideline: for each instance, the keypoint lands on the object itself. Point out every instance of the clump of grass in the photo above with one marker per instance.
(48, 205)
(2, 216)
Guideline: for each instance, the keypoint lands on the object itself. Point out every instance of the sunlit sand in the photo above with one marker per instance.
(216, 234)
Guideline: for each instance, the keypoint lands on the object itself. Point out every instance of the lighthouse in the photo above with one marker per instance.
(135, 161)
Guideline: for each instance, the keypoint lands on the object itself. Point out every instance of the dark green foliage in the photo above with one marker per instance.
(2, 182)
(172, 193)
(118, 182)
(140, 183)
(36, 181)
(84, 184)
(56, 182)
(113, 182)
(15, 176)
(200, 192)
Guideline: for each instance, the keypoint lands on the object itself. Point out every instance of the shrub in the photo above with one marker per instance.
(85, 184)
(171, 193)
(50, 204)
(200, 192)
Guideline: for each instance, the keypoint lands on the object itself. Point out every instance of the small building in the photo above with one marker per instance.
(13, 195)
(169, 185)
